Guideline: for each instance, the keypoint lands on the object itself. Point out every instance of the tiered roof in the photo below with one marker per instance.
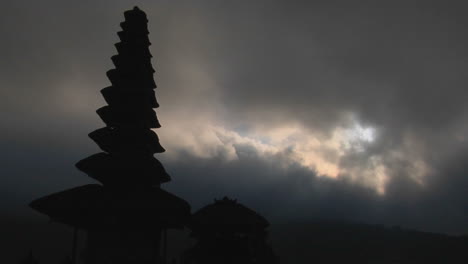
(128, 141)
(130, 194)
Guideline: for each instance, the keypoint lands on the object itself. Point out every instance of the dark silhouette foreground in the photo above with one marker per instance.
(127, 215)
(228, 232)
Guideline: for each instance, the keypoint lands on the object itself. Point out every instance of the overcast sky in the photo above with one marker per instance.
(352, 110)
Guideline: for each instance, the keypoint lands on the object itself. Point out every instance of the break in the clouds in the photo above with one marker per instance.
(321, 156)
(356, 108)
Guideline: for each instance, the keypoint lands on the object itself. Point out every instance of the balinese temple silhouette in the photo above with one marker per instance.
(228, 232)
(127, 215)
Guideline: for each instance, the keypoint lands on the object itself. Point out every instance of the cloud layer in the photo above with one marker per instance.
(327, 108)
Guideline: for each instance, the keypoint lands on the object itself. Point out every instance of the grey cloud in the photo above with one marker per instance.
(398, 66)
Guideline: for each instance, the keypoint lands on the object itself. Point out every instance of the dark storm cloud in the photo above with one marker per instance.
(397, 66)
(294, 193)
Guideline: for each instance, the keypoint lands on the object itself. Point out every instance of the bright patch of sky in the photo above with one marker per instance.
(296, 144)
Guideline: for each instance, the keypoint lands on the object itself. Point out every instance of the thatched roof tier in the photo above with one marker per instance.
(126, 48)
(121, 140)
(116, 170)
(118, 96)
(94, 206)
(133, 80)
(125, 117)
(134, 37)
(132, 64)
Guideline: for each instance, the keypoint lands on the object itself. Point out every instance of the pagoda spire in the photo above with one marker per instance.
(128, 140)
(126, 214)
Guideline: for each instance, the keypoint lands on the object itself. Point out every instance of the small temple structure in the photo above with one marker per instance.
(228, 232)
(127, 214)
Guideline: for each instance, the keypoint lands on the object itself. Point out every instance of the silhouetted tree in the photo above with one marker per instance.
(125, 215)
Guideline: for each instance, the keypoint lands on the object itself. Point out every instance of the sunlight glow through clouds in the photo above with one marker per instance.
(322, 156)
(350, 151)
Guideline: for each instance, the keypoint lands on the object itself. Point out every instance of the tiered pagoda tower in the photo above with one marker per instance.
(126, 214)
